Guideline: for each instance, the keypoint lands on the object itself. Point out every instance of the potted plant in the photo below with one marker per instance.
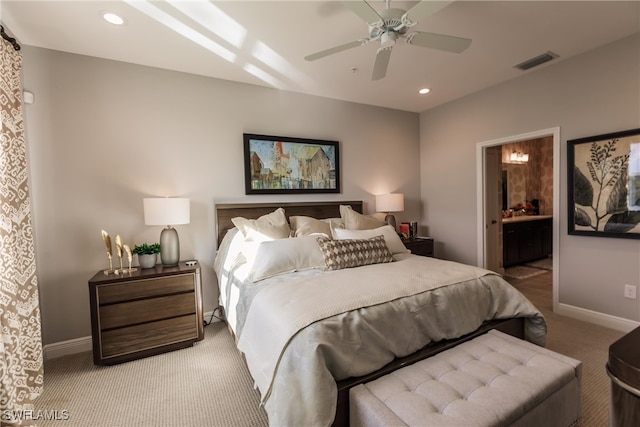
(147, 254)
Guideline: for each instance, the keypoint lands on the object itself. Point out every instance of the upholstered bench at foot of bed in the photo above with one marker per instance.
(492, 380)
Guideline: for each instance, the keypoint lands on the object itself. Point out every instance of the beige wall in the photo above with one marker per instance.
(595, 93)
(102, 135)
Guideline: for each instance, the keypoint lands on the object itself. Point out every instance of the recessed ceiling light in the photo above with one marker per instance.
(112, 18)
(424, 91)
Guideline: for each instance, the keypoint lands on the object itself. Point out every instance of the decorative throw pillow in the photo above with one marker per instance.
(340, 254)
(392, 239)
(268, 227)
(306, 225)
(357, 221)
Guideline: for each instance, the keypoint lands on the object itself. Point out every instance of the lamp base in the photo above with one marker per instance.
(169, 247)
(391, 220)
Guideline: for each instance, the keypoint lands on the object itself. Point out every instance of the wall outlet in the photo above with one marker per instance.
(630, 291)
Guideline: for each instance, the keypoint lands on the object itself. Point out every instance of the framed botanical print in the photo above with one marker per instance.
(604, 185)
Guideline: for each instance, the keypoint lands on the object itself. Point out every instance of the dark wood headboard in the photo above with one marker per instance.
(320, 210)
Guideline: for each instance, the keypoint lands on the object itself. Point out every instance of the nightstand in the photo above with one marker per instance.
(145, 312)
(422, 246)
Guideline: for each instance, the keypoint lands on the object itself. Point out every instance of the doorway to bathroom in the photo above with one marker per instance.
(518, 204)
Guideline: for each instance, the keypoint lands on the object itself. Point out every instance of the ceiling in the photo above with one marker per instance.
(265, 42)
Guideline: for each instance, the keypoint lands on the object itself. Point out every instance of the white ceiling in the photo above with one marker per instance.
(265, 41)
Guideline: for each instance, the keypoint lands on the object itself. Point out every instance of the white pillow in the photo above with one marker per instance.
(306, 225)
(391, 238)
(271, 226)
(273, 257)
(356, 221)
(334, 222)
(228, 250)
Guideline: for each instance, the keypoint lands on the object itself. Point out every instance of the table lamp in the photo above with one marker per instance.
(388, 203)
(167, 211)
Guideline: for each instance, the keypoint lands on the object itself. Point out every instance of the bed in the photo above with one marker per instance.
(308, 334)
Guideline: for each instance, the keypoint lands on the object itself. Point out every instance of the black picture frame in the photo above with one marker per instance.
(603, 185)
(288, 165)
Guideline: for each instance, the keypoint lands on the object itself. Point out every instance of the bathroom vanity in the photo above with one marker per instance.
(526, 238)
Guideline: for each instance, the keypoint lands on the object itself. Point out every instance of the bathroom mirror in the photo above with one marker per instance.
(515, 183)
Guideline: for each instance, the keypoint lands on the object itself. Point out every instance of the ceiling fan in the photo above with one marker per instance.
(390, 24)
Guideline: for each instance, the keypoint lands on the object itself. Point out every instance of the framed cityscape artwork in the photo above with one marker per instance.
(285, 165)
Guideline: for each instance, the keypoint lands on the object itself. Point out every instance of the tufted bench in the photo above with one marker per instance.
(492, 380)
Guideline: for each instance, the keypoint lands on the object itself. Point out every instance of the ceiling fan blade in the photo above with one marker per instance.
(364, 10)
(336, 49)
(438, 41)
(382, 62)
(422, 10)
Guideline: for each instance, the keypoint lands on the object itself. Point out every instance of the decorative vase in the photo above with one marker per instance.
(147, 260)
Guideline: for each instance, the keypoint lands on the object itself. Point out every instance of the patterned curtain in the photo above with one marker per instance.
(21, 368)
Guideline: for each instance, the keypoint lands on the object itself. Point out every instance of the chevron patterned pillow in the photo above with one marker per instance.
(349, 253)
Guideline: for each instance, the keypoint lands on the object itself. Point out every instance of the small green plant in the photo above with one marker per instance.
(146, 249)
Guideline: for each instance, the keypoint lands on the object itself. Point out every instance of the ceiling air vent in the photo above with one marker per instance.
(538, 60)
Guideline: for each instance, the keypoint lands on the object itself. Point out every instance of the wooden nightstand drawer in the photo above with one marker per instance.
(146, 310)
(144, 288)
(149, 335)
(422, 246)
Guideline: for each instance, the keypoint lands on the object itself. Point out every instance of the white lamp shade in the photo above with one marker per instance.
(166, 211)
(393, 202)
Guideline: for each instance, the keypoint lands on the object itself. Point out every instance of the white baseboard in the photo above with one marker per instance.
(64, 348)
(606, 320)
(79, 345)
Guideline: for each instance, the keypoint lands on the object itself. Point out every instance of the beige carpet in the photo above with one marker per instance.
(204, 385)
(208, 384)
(584, 341)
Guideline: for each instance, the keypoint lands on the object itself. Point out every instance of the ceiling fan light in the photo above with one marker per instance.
(388, 38)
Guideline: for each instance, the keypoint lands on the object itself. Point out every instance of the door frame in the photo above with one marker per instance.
(481, 197)
(492, 234)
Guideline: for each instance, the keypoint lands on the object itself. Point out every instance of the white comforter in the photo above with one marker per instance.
(303, 331)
